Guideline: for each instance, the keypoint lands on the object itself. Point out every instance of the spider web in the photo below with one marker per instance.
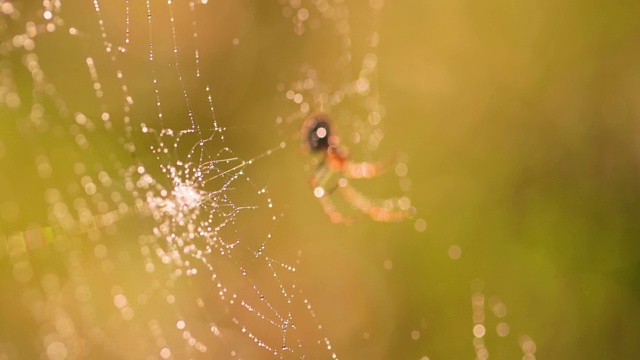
(143, 233)
(150, 244)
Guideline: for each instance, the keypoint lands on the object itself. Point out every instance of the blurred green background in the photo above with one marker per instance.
(521, 126)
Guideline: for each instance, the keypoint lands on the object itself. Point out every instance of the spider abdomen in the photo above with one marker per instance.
(317, 133)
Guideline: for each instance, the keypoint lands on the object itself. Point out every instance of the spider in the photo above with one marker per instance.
(318, 137)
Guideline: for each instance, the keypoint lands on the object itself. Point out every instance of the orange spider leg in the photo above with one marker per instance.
(366, 170)
(319, 180)
(367, 206)
(334, 215)
(332, 164)
(321, 176)
(335, 159)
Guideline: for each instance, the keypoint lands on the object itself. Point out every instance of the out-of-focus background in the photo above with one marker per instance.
(518, 122)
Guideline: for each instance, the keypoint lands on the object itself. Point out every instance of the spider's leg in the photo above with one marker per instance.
(366, 170)
(368, 206)
(320, 179)
(321, 175)
(333, 213)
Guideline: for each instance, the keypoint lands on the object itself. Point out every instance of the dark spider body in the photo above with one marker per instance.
(318, 133)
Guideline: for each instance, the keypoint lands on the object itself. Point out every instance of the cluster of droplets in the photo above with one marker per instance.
(186, 212)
